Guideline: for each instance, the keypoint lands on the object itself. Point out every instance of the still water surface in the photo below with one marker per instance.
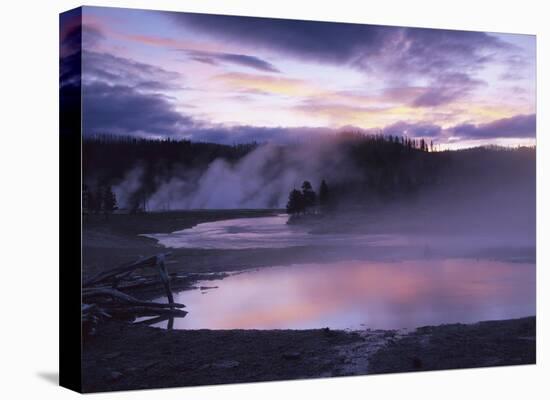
(397, 291)
(361, 294)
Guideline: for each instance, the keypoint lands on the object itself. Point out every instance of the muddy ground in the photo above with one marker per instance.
(123, 357)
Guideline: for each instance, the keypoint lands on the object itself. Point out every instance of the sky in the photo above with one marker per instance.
(238, 79)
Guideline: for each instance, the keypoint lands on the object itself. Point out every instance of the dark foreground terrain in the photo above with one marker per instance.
(121, 356)
(485, 344)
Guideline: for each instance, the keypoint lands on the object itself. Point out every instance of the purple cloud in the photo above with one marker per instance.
(320, 41)
(416, 50)
(433, 51)
(518, 126)
(446, 89)
(122, 110)
(114, 70)
(70, 68)
(412, 130)
(435, 55)
(238, 59)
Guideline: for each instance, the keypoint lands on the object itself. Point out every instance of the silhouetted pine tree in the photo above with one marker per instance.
(109, 201)
(295, 203)
(310, 197)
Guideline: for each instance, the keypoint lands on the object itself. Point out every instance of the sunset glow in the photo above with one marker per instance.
(206, 77)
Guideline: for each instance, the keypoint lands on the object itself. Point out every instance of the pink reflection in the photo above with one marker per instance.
(351, 294)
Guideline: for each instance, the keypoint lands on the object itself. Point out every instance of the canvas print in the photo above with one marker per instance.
(270, 199)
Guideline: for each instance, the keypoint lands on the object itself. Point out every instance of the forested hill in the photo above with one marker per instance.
(107, 158)
(359, 169)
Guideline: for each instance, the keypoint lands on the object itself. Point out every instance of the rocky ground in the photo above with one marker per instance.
(121, 356)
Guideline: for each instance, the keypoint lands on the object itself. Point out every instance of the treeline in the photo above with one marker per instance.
(377, 168)
(307, 201)
(108, 157)
(102, 200)
(106, 160)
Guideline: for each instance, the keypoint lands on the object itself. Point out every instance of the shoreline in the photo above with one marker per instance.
(114, 242)
(124, 357)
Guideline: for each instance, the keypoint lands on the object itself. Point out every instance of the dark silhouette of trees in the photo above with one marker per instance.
(94, 202)
(310, 197)
(107, 159)
(296, 203)
(301, 202)
(109, 202)
(381, 168)
(324, 196)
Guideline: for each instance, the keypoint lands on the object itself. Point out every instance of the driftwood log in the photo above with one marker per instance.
(119, 272)
(103, 296)
(114, 294)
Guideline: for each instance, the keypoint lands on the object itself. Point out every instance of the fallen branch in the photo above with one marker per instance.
(157, 320)
(142, 311)
(113, 273)
(118, 295)
(103, 296)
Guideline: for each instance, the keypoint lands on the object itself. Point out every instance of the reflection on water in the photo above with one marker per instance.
(361, 294)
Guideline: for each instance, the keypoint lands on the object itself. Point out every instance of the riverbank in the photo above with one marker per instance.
(110, 243)
(123, 357)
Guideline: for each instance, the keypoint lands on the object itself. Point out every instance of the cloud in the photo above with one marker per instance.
(214, 58)
(114, 108)
(412, 130)
(436, 51)
(304, 39)
(125, 97)
(518, 126)
(338, 113)
(446, 89)
(122, 96)
(69, 72)
(114, 70)
(117, 109)
(409, 100)
(266, 84)
(400, 56)
(92, 35)
(70, 33)
(123, 110)
(409, 50)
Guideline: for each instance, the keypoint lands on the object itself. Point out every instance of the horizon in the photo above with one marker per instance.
(106, 137)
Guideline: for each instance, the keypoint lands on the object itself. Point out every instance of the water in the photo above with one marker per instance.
(359, 294)
(400, 290)
(262, 232)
